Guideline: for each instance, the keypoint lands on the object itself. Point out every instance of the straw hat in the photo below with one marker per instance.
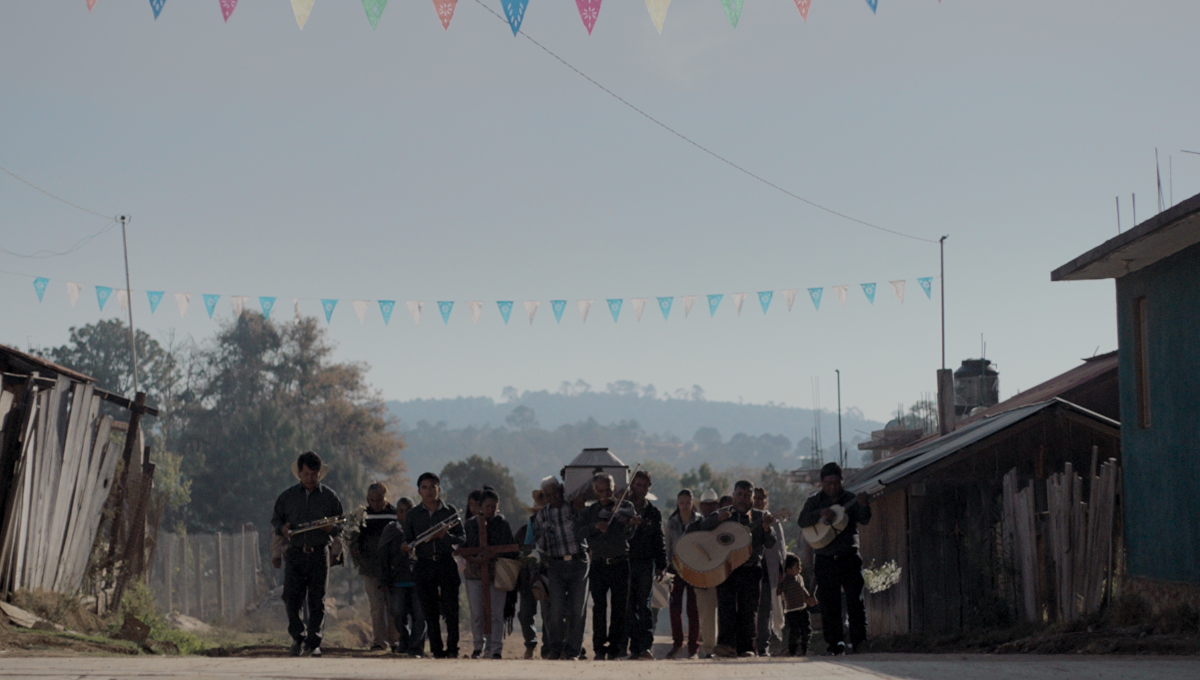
(320, 475)
(709, 496)
(539, 500)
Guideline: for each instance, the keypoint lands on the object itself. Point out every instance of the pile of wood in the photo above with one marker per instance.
(1080, 537)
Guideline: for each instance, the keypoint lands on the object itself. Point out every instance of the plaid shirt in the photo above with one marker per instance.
(556, 531)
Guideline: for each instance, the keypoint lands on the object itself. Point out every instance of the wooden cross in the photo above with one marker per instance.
(483, 556)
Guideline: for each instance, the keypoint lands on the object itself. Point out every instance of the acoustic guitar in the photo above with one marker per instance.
(824, 532)
(706, 558)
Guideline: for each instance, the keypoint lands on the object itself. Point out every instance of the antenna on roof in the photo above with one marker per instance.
(1118, 215)
(1158, 178)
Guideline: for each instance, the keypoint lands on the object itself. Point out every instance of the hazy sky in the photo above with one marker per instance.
(413, 163)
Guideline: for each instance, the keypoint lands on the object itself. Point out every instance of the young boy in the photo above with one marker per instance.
(796, 601)
(403, 603)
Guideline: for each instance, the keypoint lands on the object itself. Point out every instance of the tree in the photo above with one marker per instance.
(462, 477)
(522, 418)
(704, 478)
(101, 350)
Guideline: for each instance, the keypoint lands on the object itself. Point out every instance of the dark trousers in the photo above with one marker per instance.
(437, 586)
(641, 619)
(567, 607)
(405, 609)
(305, 576)
(606, 579)
(834, 575)
(737, 608)
(679, 588)
(526, 613)
(799, 631)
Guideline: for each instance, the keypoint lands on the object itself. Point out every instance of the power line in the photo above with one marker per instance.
(44, 254)
(700, 146)
(60, 199)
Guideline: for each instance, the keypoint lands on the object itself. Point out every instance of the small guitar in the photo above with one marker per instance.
(823, 532)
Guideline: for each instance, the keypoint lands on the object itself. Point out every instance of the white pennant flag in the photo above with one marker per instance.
(531, 307)
(840, 291)
(658, 12)
(738, 299)
(123, 299)
(302, 8)
(639, 304)
(585, 306)
(73, 290)
(239, 304)
(414, 308)
(688, 301)
(476, 308)
(183, 300)
(898, 286)
(296, 309)
(789, 296)
(360, 308)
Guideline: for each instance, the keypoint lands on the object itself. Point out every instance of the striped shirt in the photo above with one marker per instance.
(556, 531)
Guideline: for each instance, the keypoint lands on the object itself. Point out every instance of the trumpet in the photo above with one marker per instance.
(428, 534)
(318, 524)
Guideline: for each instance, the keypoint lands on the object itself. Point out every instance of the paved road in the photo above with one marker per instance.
(866, 667)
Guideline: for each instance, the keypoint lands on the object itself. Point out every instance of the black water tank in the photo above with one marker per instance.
(976, 384)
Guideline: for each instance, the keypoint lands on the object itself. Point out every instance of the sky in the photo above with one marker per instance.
(415, 163)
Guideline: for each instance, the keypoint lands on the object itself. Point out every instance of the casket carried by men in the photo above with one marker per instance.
(577, 475)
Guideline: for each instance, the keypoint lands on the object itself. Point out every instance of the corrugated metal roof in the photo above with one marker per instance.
(30, 362)
(596, 458)
(891, 470)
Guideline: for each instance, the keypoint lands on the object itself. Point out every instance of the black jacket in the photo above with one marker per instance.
(751, 520)
(395, 564)
(367, 543)
(419, 519)
(498, 533)
(846, 542)
(648, 542)
(298, 506)
(608, 544)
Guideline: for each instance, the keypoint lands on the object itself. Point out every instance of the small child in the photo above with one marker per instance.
(796, 601)
(403, 603)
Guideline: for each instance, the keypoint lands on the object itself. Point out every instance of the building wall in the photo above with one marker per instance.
(1162, 462)
(883, 540)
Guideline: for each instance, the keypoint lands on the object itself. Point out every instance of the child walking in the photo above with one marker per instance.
(403, 604)
(796, 601)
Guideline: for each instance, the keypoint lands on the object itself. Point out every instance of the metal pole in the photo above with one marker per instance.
(841, 449)
(942, 258)
(129, 305)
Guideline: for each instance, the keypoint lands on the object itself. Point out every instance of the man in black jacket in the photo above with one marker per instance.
(436, 572)
(647, 562)
(838, 565)
(380, 513)
(607, 529)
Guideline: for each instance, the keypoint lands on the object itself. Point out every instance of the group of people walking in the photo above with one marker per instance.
(609, 549)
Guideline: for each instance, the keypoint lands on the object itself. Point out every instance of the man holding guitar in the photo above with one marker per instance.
(838, 564)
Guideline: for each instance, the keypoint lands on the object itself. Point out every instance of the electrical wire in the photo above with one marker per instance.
(60, 199)
(45, 254)
(703, 148)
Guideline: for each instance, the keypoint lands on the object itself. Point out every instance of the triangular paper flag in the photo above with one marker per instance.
(688, 301)
(374, 10)
(73, 290)
(183, 300)
(414, 308)
(639, 305)
(91, 4)
(558, 306)
(328, 305)
(733, 10)
(738, 299)
(764, 299)
(714, 301)
(614, 308)
(531, 307)
(155, 297)
(927, 286)
(210, 303)
(476, 308)
(585, 306)
(360, 309)
(239, 304)
(789, 296)
(102, 295)
(840, 292)
(664, 303)
(505, 307)
(302, 8)
(589, 11)
(445, 11)
(514, 11)
(815, 294)
(39, 286)
(123, 299)
(157, 6)
(267, 304)
(227, 7)
(385, 308)
(658, 12)
(803, 6)
(898, 286)
(445, 307)
(873, 4)
(869, 291)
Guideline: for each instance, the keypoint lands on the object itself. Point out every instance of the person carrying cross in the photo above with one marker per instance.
(488, 538)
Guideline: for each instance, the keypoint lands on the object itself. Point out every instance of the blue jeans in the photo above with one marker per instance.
(405, 609)
(568, 597)
(641, 619)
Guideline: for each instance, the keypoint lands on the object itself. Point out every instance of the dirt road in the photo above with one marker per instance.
(872, 667)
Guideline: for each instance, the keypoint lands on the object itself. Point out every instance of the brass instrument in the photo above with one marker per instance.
(318, 524)
(428, 534)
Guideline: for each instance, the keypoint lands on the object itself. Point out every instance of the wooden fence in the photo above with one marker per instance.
(212, 577)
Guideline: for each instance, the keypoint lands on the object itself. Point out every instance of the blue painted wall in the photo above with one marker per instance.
(1162, 462)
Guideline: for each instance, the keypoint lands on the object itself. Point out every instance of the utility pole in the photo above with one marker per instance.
(129, 306)
(841, 449)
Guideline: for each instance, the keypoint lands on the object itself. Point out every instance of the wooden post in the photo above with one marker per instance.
(199, 580)
(220, 576)
(170, 569)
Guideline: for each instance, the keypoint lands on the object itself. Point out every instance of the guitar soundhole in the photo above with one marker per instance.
(725, 539)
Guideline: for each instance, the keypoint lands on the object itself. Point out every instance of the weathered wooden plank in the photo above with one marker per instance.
(96, 494)
(65, 486)
(83, 466)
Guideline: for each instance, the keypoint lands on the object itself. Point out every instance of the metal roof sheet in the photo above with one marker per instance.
(594, 458)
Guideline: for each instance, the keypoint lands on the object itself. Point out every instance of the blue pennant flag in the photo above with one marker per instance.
(764, 299)
(102, 295)
(664, 303)
(444, 308)
(558, 306)
(268, 303)
(157, 6)
(505, 309)
(39, 285)
(873, 4)
(210, 303)
(815, 294)
(385, 308)
(155, 297)
(927, 286)
(514, 11)
(869, 291)
(614, 306)
(328, 306)
(714, 301)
